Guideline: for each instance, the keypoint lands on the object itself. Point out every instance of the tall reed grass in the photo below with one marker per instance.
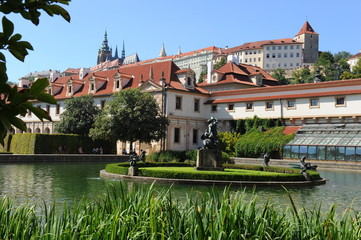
(150, 214)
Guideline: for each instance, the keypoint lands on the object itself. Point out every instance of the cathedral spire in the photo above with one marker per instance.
(162, 52)
(116, 52)
(105, 46)
(123, 51)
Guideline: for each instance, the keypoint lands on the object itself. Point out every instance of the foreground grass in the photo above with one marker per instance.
(148, 214)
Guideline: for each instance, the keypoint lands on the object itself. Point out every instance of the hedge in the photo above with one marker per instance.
(233, 172)
(34, 143)
(7, 141)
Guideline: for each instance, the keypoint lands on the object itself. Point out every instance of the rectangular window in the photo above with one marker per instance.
(102, 104)
(249, 106)
(298, 47)
(69, 89)
(340, 102)
(273, 55)
(92, 87)
(285, 55)
(57, 110)
(291, 55)
(291, 104)
(250, 60)
(48, 108)
(269, 105)
(231, 107)
(268, 48)
(291, 47)
(176, 135)
(297, 54)
(279, 55)
(178, 103)
(195, 136)
(285, 47)
(259, 59)
(314, 103)
(279, 47)
(214, 108)
(273, 47)
(196, 105)
(267, 55)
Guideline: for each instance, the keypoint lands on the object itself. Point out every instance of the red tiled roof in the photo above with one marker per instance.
(137, 73)
(357, 55)
(282, 88)
(306, 28)
(72, 70)
(285, 96)
(240, 74)
(290, 129)
(260, 44)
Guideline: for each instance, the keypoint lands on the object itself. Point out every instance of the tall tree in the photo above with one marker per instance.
(341, 55)
(131, 116)
(302, 75)
(79, 116)
(356, 69)
(280, 75)
(12, 101)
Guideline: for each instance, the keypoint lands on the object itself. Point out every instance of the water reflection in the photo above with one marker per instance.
(71, 181)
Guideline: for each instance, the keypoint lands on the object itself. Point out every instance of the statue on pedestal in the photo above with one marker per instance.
(209, 137)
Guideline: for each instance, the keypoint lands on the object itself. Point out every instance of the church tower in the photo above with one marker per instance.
(310, 40)
(104, 53)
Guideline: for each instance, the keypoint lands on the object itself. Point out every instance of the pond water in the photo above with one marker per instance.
(59, 182)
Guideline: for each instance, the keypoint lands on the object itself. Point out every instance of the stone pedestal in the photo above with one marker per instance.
(132, 171)
(209, 160)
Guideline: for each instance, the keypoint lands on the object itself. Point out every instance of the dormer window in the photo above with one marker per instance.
(189, 81)
(117, 84)
(69, 89)
(92, 87)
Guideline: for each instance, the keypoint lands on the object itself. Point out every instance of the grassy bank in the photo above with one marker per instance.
(147, 214)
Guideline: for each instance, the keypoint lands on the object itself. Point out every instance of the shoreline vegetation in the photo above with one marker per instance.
(144, 213)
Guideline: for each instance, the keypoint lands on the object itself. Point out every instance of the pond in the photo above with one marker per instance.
(60, 182)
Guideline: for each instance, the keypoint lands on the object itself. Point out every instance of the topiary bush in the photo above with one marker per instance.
(6, 147)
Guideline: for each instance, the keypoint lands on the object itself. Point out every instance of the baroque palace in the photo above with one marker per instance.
(235, 91)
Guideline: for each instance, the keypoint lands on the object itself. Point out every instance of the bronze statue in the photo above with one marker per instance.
(209, 137)
(133, 158)
(266, 159)
(306, 166)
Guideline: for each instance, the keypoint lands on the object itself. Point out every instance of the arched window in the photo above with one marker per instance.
(37, 130)
(47, 130)
(29, 130)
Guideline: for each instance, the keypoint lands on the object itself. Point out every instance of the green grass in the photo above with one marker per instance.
(144, 213)
(232, 172)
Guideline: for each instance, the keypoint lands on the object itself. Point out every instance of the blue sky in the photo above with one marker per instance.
(145, 25)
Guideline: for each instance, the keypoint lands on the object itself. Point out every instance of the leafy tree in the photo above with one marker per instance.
(341, 55)
(131, 116)
(343, 65)
(280, 75)
(303, 75)
(14, 102)
(356, 69)
(220, 63)
(79, 116)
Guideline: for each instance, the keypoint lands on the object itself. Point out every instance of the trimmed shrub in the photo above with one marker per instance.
(227, 141)
(167, 156)
(7, 141)
(34, 143)
(255, 143)
(233, 172)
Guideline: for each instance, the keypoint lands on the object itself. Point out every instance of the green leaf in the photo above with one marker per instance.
(39, 86)
(17, 122)
(4, 119)
(8, 27)
(40, 113)
(2, 57)
(20, 56)
(44, 97)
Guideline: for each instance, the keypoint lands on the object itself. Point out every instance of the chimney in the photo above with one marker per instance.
(83, 72)
(209, 71)
(54, 75)
(23, 83)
